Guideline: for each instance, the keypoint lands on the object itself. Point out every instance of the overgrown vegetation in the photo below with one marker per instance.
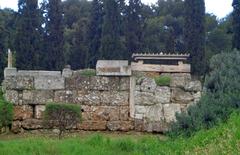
(223, 139)
(6, 113)
(222, 96)
(62, 116)
(88, 72)
(163, 80)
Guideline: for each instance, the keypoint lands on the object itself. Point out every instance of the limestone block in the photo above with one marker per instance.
(100, 83)
(18, 83)
(92, 98)
(170, 110)
(138, 116)
(67, 72)
(139, 109)
(39, 73)
(120, 125)
(154, 127)
(180, 96)
(144, 98)
(86, 116)
(32, 124)
(79, 97)
(16, 127)
(154, 113)
(39, 110)
(197, 96)
(22, 112)
(10, 72)
(138, 125)
(119, 98)
(38, 96)
(49, 83)
(124, 83)
(65, 96)
(163, 94)
(148, 85)
(194, 86)
(179, 79)
(92, 125)
(12, 96)
(124, 113)
(105, 113)
(113, 68)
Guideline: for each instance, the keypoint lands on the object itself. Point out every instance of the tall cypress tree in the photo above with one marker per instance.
(134, 27)
(236, 24)
(54, 35)
(28, 40)
(95, 32)
(111, 45)
(194, 34)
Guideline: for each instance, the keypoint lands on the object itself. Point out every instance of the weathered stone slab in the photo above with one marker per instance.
(193, 86)
(154, 126)
(170, 110)
(163, 94)
(154, 113)
(180, 96)
(92, 125)
(65, 96)
(105, 113)
(124, 83)
(119, 98)
(100, 83)
(49, 83)
(39, 111)
(22, 112)
(120, 125)
(32, 124)
(10, 72)
(148, 85)
(144, 98)
(18, 83)
(139, 109)
(113, 68)
(67, 72)
(124, 113)
(39, 73)
(38, 96)
(179, 79)
(12, 96)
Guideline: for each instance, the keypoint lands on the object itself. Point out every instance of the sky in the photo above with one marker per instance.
(218, 7)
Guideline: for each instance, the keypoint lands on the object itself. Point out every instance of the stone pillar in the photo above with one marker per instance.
(10, 59)
(10, 70)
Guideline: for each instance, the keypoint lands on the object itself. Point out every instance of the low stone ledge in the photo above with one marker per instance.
(39, 73)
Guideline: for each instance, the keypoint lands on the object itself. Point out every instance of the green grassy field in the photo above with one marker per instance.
(224, 139)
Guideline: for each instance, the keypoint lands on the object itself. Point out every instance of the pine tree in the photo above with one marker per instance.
(54, 35)
(134, 27)
(95, 32)
(194, 34)
(236, 24)
(28, 40)
(111, 45)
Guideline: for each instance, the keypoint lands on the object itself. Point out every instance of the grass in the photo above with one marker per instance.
(88, 72)
(163, 80)
(223, 139)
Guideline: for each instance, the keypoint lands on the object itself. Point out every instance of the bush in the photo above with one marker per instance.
(6, 112)
(222, 96)
(62, 116)
(88, 72)
(163, 80)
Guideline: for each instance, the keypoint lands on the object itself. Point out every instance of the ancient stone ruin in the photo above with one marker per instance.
(121, 97)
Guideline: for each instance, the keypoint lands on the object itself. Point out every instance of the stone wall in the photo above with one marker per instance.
(155, 106)
(115, 103)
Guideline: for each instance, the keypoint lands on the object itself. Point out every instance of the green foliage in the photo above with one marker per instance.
(163, 80)
(220, 99)
(236, 24)
(29, 41)
(62, 116)
(194, 34)
(223, 138)
(88, 72)
(6, 112)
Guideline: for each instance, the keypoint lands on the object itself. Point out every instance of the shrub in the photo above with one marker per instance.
(88, 72)
(6, 112)
(222, 96)
(163, 80)
(62, 116)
